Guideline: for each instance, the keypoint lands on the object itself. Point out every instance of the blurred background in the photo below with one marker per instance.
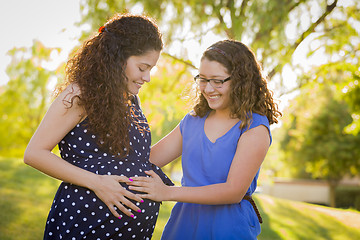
(309, 184)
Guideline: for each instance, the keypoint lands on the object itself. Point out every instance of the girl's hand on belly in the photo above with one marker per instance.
(152, 187)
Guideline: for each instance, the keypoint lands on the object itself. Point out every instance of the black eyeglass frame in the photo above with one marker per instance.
(208, 80)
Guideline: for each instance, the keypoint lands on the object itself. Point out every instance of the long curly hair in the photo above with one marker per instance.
(249, 93)
(98, 68)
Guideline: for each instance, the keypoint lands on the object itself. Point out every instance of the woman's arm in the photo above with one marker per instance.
(250, 153)
(57, 122)
(167, 149)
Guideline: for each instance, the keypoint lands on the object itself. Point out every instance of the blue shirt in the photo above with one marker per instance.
(205, 163)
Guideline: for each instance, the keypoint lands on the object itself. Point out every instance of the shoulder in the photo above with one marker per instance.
(71, 91)
(258, 119)
(190, 116)
(69, 99)
(70, 96)
(189, 120)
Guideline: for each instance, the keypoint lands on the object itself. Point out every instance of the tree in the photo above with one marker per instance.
(273, 29)
(25, 98)
(340, 43)
(315, 141)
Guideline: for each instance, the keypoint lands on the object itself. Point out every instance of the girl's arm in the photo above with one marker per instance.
(167, 149)
(250, 153)
(57, 122)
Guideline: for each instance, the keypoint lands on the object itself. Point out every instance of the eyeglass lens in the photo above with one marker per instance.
(202, 82)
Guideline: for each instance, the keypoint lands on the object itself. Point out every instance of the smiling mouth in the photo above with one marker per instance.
(214, 97)
(139, 84)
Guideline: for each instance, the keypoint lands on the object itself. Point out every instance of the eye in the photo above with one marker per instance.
(141, 69)
(216, 81)
(202, 80)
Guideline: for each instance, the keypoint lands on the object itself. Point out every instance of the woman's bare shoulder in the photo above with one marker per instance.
(71, 91)
(69, 99)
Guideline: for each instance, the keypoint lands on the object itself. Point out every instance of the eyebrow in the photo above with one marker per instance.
(148, 65)
(211, 77)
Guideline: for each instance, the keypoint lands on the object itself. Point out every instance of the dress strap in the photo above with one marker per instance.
(252, 202)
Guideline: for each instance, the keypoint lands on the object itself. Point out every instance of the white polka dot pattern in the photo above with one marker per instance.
(77, 213)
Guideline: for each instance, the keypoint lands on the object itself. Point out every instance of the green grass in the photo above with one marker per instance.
(291, 220)
(26, 196)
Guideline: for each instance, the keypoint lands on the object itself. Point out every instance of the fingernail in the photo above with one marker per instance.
(142, 201)
(132, 216)
(131, 179)
(139, 210)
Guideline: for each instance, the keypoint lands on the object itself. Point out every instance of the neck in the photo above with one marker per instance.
(221, 113)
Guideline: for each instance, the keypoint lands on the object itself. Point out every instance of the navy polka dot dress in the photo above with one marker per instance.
(77, 213)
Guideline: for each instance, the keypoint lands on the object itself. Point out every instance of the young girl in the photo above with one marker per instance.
(223, 142)
(103, 136)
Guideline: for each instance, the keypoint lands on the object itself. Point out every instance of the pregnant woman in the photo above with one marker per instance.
(103, 136)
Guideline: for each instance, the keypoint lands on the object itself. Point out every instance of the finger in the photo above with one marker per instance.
(138, 189)
(138, 179)
(131, 205)
(123, 179)
(132, 196)
(151, 173)
(123, 209)
(114, 212)
(146, 196)
(137, 183)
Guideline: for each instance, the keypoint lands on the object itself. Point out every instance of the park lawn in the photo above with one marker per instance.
(26, 197)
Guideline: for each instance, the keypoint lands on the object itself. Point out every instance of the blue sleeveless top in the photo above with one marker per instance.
(205, 163)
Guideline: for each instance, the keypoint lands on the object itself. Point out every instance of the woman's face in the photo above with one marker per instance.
(217, 98)
(138, 70)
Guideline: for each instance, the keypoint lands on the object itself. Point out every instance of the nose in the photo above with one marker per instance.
(208, 87)
(146, 77)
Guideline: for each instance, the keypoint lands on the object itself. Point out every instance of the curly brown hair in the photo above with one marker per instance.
(98, 68)
(249, 93)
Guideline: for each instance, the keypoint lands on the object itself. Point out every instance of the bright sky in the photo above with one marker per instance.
(50, 21)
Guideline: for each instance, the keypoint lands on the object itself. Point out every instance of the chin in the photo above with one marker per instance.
(134, 92)
(214, 106)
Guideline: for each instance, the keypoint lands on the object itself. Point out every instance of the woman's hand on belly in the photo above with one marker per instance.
(108, 189)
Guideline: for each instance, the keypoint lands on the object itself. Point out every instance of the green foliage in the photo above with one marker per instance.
(166, 99)
(314, 137)
(25, 98)
(352, 97)
(321, 125)
(261, 24)
(273, 165)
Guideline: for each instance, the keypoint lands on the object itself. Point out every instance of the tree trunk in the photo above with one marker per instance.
(332, 194)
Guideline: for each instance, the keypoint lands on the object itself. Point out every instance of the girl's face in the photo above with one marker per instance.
(217, 98)
(138, 70)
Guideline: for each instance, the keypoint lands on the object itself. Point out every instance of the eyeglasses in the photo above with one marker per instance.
(215, 83)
